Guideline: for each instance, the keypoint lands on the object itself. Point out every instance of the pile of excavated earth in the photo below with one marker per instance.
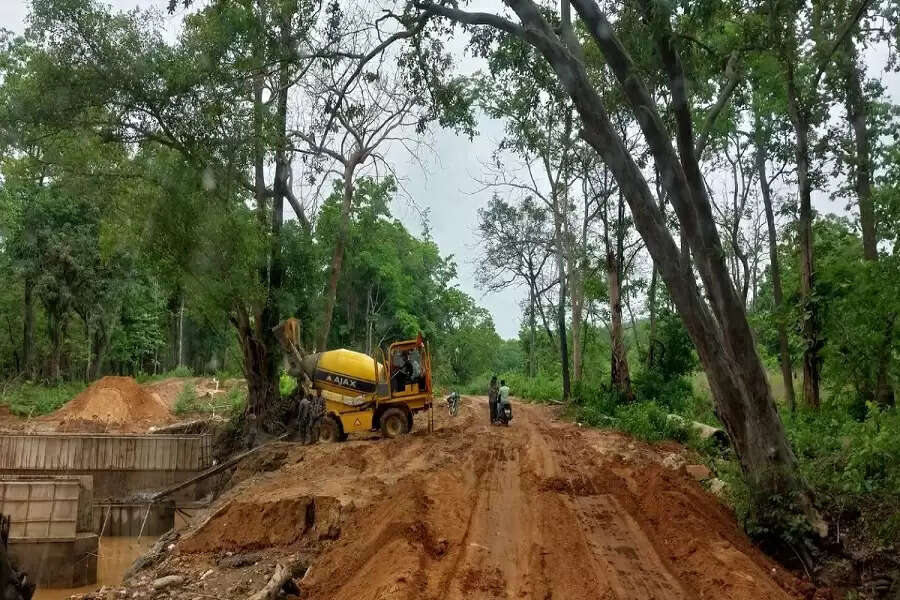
(112, 404)
(118, 405)
(542, 509)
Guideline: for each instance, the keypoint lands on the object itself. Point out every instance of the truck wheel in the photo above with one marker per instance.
(394, 423)
(330, 430)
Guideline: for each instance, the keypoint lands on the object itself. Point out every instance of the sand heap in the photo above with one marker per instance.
(113, 404)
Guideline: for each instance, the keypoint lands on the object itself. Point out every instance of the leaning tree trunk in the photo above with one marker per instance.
(784, 351)
(724, 342)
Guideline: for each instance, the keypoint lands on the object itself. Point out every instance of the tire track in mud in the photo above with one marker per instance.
(632, 569)
(532, 511)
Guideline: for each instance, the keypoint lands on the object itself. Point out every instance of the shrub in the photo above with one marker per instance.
(673, 393)
(649, 421)
(186, 401)
(35, 399)
(235, 402)
(181, 371)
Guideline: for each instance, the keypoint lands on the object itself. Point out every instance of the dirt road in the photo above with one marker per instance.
(542, 509)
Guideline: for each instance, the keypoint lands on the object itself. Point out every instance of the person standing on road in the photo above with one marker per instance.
(493, 394)
(304, 410)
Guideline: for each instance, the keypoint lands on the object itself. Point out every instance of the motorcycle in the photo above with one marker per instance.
(453, 403)
(504, 413)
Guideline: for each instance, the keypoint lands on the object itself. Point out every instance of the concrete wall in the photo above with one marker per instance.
(124, 467)
(58, 563)
(95, 452)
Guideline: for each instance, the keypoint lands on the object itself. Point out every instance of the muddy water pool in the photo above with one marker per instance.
(116, 555)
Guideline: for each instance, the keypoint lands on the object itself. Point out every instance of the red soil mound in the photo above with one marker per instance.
(252, 525)
(117, 404)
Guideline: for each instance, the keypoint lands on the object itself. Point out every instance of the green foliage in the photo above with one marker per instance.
(286, 384)
(181, 371)
(673, 352)
(230, 404)
(186, 401)
(35, 399)
(674, 393)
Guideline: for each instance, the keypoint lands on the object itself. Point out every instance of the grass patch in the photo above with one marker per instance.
(541, 388)
(35, 399)
(228, 404)
(182, 371)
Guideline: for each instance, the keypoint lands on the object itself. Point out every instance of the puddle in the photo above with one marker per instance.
(116, 555)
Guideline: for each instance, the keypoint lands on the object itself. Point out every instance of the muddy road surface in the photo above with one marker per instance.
(541, 509)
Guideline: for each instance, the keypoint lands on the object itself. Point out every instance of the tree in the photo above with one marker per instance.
(539, 127)
(720, 331)
(357, 116)
(761, 159)
(516, 246)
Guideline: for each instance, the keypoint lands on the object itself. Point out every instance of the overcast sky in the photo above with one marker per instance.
(446, 186)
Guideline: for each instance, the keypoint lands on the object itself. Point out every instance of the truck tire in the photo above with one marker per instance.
(330, 430)
(394, 423)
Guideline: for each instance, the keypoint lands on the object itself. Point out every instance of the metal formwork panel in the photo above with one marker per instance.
(90, 452)
(40, 509)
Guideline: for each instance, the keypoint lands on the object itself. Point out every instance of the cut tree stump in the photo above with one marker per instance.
(284, 571)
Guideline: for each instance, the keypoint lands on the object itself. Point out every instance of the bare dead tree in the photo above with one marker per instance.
(359, 109)
(516, 247)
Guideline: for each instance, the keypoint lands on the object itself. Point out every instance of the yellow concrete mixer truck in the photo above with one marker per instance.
(362, 393)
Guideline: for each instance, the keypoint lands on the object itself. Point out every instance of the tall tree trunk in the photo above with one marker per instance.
(563, 292)
(576, 285)
(531, 327)
(28, 329)
(857, 114)
(180, 357)
(808, 310)
(784, 352)
(651, 296)
(654, 276)
(619, 372)
(56, 329)
(258, 344)
(563, 336)
(337, 258)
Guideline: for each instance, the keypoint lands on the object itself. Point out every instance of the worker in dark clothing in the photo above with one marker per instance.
(493, 394)
(316, 414)
(304, 410)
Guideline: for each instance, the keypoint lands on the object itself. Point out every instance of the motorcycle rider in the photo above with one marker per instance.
(493, 393)
(503, 398)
